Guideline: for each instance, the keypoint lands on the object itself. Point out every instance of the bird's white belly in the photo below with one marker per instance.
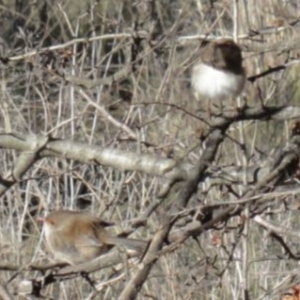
(216, 84)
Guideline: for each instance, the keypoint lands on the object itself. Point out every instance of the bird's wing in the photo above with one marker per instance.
(88, 241)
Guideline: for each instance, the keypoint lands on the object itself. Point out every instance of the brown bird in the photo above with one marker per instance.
(76, 237)
(293, 294)
(219, 73)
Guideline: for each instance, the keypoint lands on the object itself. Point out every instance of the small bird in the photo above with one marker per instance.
(75, 237)
(219, 73)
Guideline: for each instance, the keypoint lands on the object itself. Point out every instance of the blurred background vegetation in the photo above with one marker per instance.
(161, 40)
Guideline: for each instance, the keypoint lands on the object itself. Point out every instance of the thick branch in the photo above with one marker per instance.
(135, 284)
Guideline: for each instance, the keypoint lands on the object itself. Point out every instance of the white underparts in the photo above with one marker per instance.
(216, 84)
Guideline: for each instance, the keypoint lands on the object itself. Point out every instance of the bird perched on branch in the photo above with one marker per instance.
(76, 237)
(219, 74)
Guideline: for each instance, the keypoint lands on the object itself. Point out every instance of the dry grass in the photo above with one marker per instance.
(35, 100)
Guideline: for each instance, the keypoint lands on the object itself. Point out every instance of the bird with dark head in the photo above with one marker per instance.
(218, 74)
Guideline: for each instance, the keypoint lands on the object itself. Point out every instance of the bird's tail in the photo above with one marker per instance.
(137, 245)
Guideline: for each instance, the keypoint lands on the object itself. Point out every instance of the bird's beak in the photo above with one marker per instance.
(41, 220)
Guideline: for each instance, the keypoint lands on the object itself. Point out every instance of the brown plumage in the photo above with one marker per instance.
(223, 54)
(219, 73)
(76, 237)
